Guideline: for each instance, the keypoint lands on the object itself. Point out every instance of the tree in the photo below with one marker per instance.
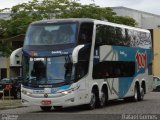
(5, 49)
(23, 14)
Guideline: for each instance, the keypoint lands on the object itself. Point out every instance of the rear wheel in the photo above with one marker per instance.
(137, 94)
(92, 103)
(135, 97)
(103, 99)
(45, 108)
(141, 95)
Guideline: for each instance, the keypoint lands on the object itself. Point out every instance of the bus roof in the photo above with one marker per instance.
(80, 20)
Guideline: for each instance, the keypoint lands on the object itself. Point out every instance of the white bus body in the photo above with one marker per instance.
(115, 63)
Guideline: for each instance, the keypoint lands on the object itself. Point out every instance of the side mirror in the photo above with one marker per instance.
(75, 53)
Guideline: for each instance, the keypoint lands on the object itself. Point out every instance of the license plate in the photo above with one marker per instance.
(46, 102)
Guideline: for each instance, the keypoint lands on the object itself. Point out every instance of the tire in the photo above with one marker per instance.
(137, 94)
(46, 108)
(141, 95)
(93, 100)
(17, 95)
(103, 99)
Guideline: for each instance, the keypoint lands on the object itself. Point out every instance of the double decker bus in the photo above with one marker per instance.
(70, 62)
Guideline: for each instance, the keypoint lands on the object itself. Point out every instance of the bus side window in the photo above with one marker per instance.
(113, 69)
(85, 34)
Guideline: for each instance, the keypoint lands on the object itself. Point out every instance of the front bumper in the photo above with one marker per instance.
(67, 100)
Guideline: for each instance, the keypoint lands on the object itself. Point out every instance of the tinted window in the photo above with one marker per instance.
(110, 35)
(51, 34)
(83, 62)
(113, 69)
(85, 33)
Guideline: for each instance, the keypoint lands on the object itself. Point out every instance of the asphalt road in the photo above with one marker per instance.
(148, 109)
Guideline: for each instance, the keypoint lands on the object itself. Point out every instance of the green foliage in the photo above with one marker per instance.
(125, 20)
(23, 14)
(5, 49)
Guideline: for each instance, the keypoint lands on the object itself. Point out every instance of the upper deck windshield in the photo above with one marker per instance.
(51, 34)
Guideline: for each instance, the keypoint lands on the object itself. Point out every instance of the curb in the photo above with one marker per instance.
(11, 107)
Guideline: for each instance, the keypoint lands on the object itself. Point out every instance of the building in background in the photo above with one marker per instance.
(156, 51)
(145, 20)
(5, 15)
(7, 71)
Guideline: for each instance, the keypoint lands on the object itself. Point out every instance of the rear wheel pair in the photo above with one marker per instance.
(96, 101)
(138, 94)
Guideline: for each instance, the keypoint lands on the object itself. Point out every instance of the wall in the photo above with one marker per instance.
(4, 63)
(156, 50)
(145, 20)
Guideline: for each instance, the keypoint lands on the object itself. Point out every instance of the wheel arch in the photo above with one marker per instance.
(137, 84)
(104, 88)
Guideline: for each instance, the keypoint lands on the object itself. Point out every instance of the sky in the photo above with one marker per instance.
(151, 6)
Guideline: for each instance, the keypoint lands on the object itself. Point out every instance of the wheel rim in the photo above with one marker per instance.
(93, 100)
(142, 94)
(135, 94)
(103, 99)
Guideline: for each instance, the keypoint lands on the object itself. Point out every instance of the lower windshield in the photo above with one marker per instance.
(54, 70)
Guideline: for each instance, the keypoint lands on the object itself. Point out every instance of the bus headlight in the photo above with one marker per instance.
(70, 90)
(65, 92)
(75, 88)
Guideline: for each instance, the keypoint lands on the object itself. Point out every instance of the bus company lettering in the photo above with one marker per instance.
(141, 59)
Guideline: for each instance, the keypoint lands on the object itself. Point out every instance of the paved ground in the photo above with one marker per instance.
(10, 103)
(147, 109)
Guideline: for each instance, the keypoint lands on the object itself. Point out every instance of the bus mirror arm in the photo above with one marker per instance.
(75, 53)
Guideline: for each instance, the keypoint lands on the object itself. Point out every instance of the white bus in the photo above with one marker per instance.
(70, 62)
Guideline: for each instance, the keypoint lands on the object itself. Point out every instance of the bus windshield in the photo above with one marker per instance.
(53, 70)
(51, 34)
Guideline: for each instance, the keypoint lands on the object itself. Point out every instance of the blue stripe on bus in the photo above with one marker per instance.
(124, 85)
(64, 87)
(40, 53)
(128, 54)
